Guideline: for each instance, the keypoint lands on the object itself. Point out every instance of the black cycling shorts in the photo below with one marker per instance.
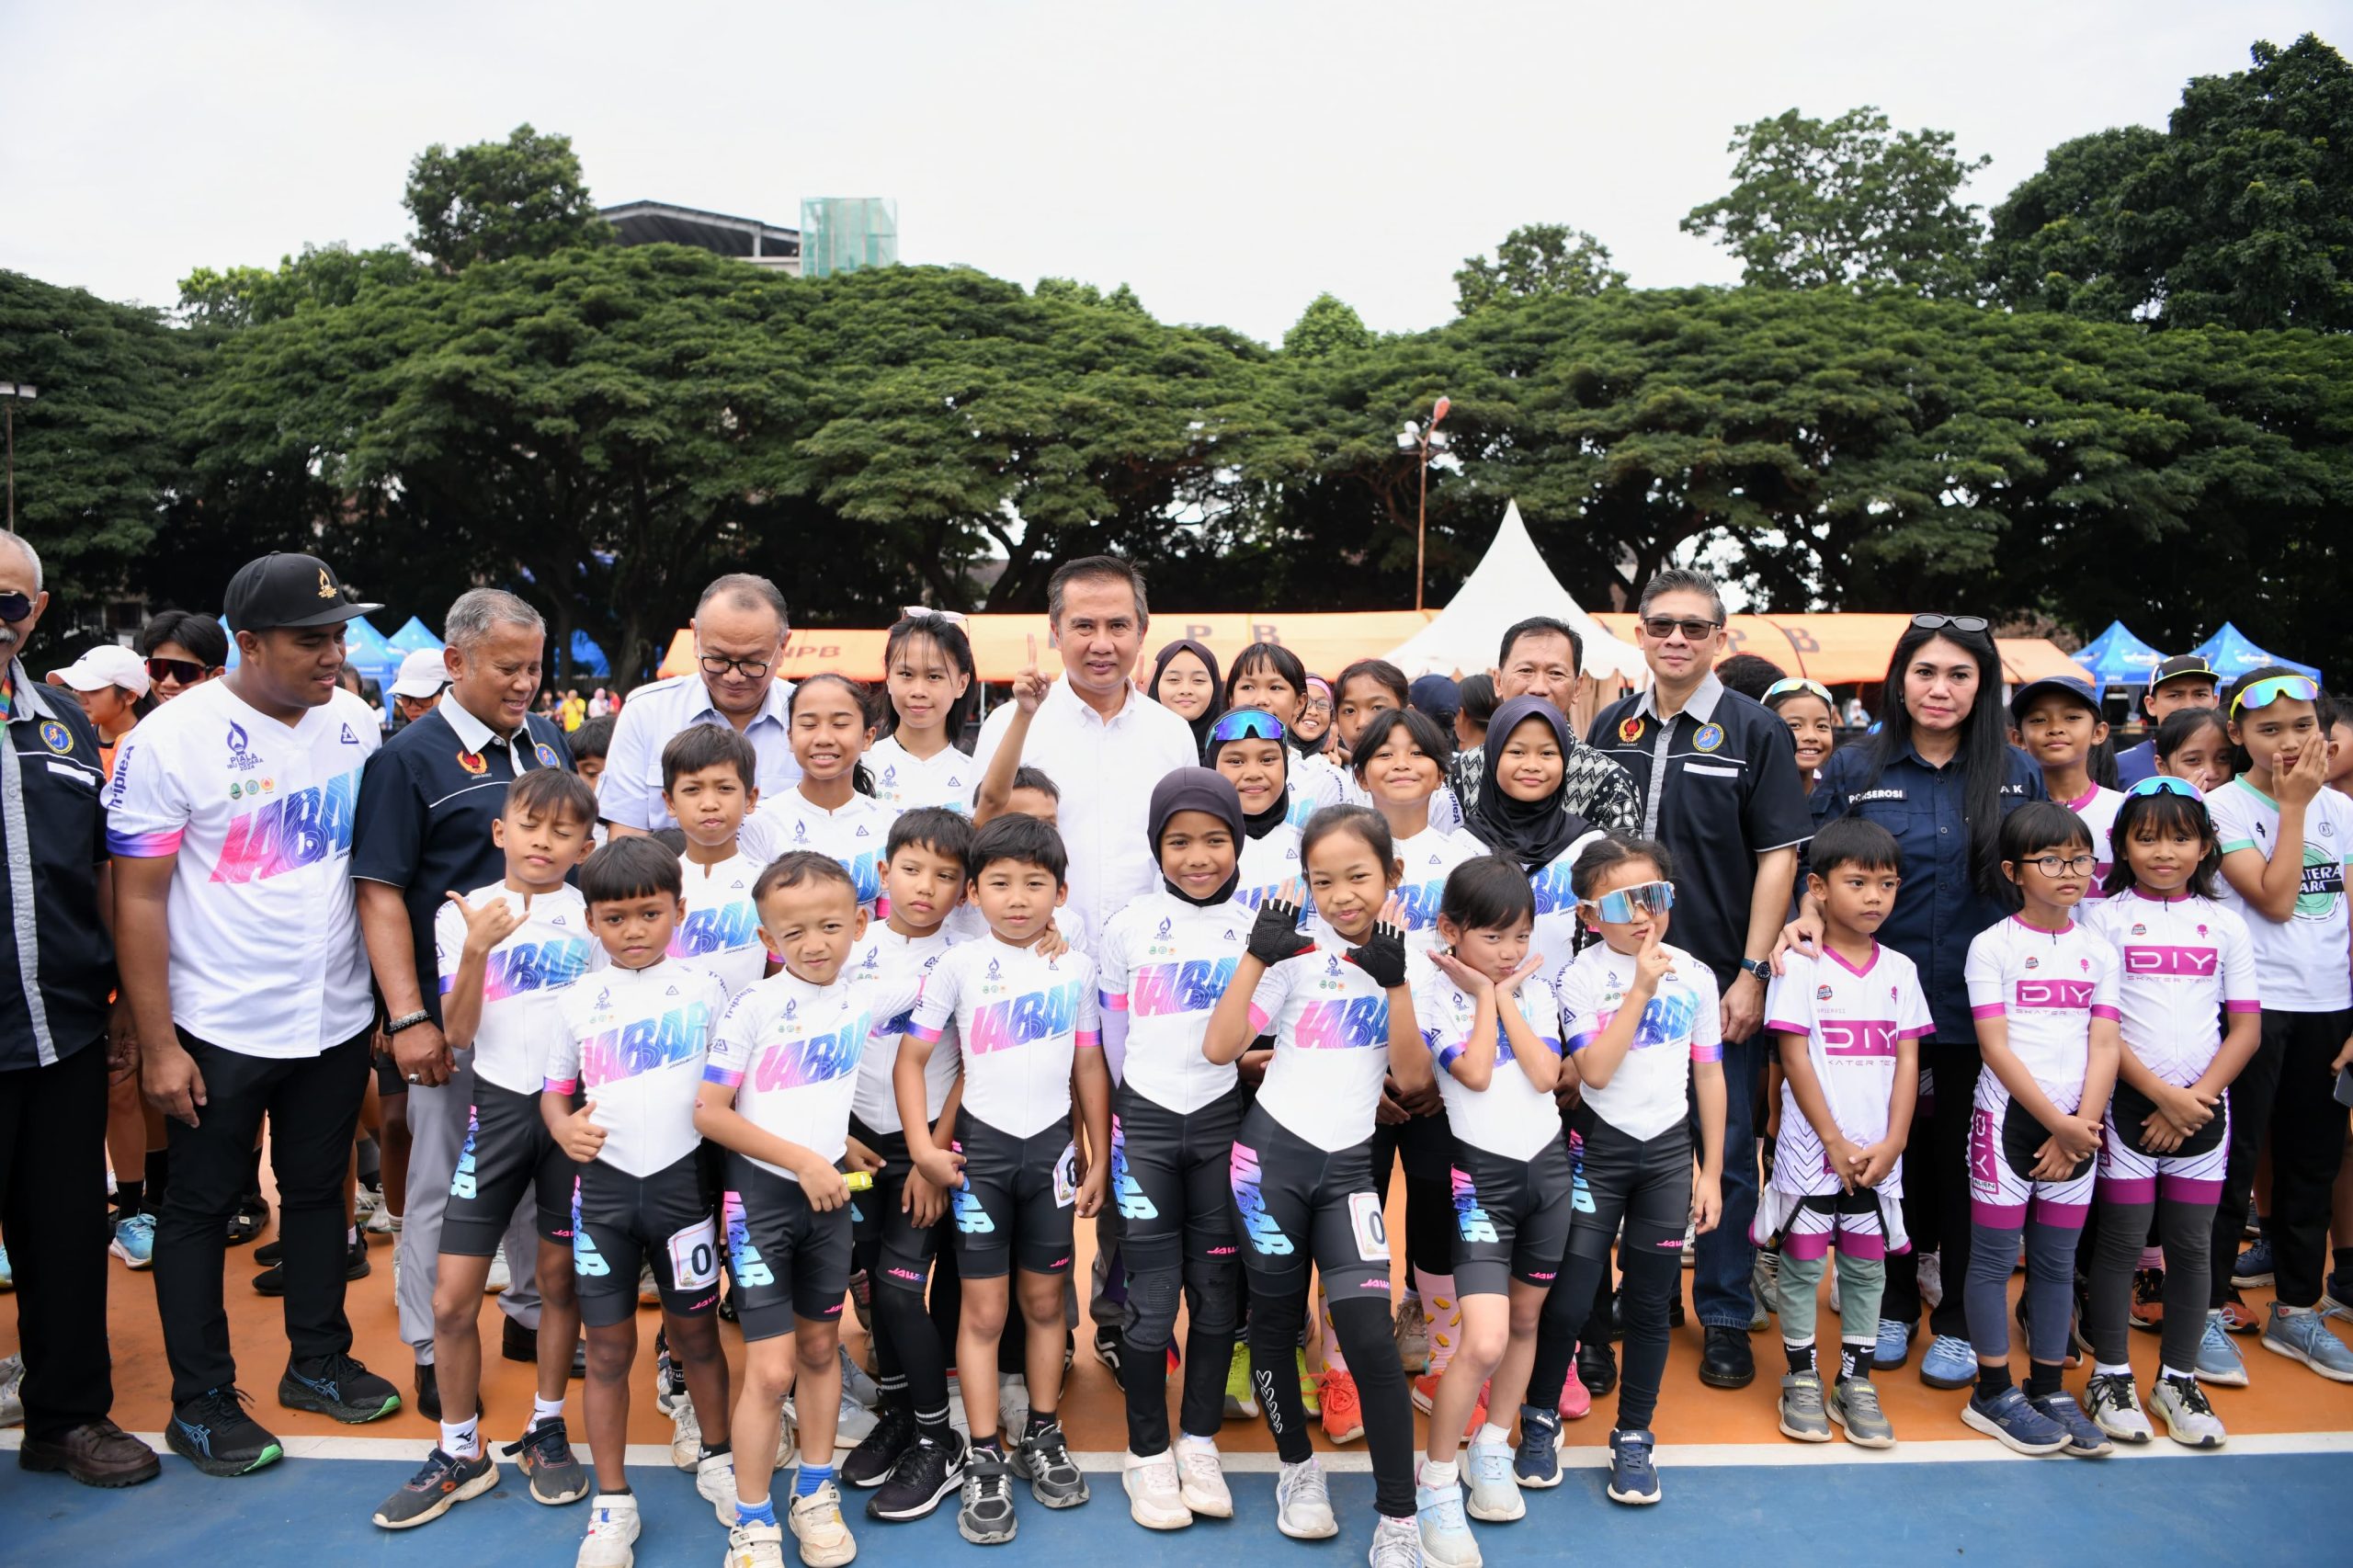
(1017, 1202)
(509, 1151)
(789, 1261)
(1296, 1203)
(1646, 1183)
(619, 1221)
(1511, 1217)
(884, 1242)
(1172, 1179)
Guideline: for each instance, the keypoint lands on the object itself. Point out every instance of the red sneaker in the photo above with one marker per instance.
(1425, 1400)
(1343, 1412)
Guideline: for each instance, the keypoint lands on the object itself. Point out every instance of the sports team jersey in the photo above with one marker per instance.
(1267, 863)
(1510, 1117)
(634, 1042)
(2299, 962)
(721, 929)
(1314, 784)
(793, 1051)
(260, 814)
(1680, 1024)
(1164, 963)
(890, 962)
(2187, 960)
(1022, 1020)
(1852, 1020)
(2096, 808)
(2048, 986)
(855, 834)
(526, 977)
(1331, 1029)
(1556, 936)
(1427, 857)
(903, 781)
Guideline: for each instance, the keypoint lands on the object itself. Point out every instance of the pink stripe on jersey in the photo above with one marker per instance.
(1114, 1003)
(929, 1036)
(1260, 1019)
(1986, 1010)
(1782, 1027)
(1705, 1052)
(144, 846)
(712, 1072)
(561, 1085)
(1086, 1039)
(2241, 1007)
(2101, 1010)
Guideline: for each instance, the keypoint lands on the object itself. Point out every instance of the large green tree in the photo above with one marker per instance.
(1534, 260)
(496, 200)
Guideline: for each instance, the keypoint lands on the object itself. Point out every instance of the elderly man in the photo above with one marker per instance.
(230, 820)
(425, 807)
(739, 630)
(1719, 780)
(55, 1058)
(1543, 656)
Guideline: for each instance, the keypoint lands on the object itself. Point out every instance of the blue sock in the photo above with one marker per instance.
(760, 1513)
(809, 1477)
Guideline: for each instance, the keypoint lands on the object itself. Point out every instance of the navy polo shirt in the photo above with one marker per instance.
(57, 966)
(1938, 910)
(426, 800)
(1719, 785)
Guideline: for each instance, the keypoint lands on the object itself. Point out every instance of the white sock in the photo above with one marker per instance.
(546, 1409)
(1200, 1445)
(1444, 1314)
(462, 1439)
(1333, 1360)
(1491, 1433)
(1436, 1475)
(2104, 1370)
(2170, 1373)
(351, 1235)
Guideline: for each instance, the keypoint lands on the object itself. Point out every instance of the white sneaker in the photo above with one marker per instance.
(1303, 1504)
(686, 1436)
(755, 1546)
(1011, 1402)
(1397, 1543)
(1155, 1499)
(12, 1390)
(784, 1436)
(715, 1482)
(2116, 1408)
(383, 1223)
(500, 1277)
(1201, 1479)
(366, 1201)
(612, 1533)
(1493, 1488)
(2188, 1419)
(817, 1523)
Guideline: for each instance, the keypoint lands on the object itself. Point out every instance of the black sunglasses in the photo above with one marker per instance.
(1665, 626)
(15, 606)
(1958, 622)
(187, 672)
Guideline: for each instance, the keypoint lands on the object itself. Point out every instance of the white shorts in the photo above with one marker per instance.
(2001, 1196)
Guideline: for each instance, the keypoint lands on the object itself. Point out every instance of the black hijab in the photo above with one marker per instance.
(1532, 832)
(1209, 662)
(1274, 816)
(1196, 790)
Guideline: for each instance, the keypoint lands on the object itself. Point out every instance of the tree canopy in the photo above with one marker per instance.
(494, 201)
(1540, 258)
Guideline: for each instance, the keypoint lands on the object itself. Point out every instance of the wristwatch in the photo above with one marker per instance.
(407, 1021)
(1760, 967)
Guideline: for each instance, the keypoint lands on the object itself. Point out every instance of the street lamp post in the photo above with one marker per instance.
(12, 392)
(1423, 439)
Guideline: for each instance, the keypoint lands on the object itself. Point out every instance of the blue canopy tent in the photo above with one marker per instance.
(2117, 658)
(413, 638)
(587, 659)
(365, 649)
(2232, 655)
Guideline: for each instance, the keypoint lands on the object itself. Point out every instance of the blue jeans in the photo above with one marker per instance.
(1720, 1292)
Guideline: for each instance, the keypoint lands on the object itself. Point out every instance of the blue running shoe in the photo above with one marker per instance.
(1537, 1460)
(2084, 1441)
(2254, 1266)
(2218, 1359)
(2012, 1421)
(1951, 1363)
(1446, 1533)
(1634, 1477)
(134, 1241)
(2298, 1334)
(1895, 1345)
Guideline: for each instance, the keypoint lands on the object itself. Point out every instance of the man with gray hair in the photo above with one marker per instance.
(427, 802)
(739, 631)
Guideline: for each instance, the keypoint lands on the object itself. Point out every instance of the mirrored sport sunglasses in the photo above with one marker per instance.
(187, 672)
(1958, 622)
(1791, 685)
(2270, 690)
(1244, 724)
(2166, 784)
(1650, 898)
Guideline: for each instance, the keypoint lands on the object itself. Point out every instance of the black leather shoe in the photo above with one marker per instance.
(1725, 1361)
(428, 1391)
(518, 1343)
(1597, 1368)
(579, 1358)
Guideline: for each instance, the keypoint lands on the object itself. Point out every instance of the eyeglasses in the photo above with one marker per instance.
(719, 665)
(1958, 622)
(2051, 865)
(1792, 685)
(1319, 705)
(2262, 694)
(1650, 898)
(1245, 725)
(187, 672)
(15, 606)
(2166, 784)
(1665, 626)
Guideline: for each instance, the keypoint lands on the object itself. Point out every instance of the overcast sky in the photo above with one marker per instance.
(1228, 160)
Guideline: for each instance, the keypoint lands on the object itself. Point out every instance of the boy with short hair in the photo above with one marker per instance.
(588, 744)
(1030, 1042)
(1849, 1026)
(776, 1095)
(508, 954)
(710, 782)
(1034, 795)
(618, 1096)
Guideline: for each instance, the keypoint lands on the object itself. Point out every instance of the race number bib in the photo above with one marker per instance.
(1371, 1229)
(694, 1256)
(1066, 1177)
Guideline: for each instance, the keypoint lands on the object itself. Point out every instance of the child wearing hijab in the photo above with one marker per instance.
(1519, 813)
(1185, 681)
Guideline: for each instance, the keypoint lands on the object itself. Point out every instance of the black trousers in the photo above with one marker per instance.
(312, 1103)
(53, 1219)
(2285, 1098)
(1936, 1191)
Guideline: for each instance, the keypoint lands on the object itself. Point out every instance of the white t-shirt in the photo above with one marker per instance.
(1331, 1029)
(854, 833)
(891, 961)
(721, 929)
(1021, 1020)
(634, 1042)
(794, 1053)
(1510, 1117)
(266, 953)
(1266, 864)
(2300, 963)
(2187, 960)
(1428, 857)
(2048, 986)
(1851, 1021)
(904, 781)
(1165, 963)
(2096, 807)
(527, 975)
(1680, 1024)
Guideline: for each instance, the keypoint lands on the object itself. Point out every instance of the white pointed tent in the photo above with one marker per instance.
(1511, 583)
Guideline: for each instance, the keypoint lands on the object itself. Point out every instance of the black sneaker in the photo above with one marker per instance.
(442, 1483)
(544, 1453)
(428, 1391)
(270, 1252)
(1109, 1346)
(249, 1218)
(925, 1475)
(985, 1518)
(337, 1386)
(1054, 1477)
(213, 1433)
(271, 1281)
(870, 1463)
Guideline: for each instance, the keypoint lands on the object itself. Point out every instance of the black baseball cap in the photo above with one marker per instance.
(288, 591)
(2181, 664)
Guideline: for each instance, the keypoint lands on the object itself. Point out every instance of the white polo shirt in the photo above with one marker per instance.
(266, 954)
(1105, 770)
(629, 793)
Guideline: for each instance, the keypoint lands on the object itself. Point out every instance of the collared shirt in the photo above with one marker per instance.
(1938, 910)
(629, 793)
(1105, 769)
(1720, 787)
(427, 801)
(57, 968)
